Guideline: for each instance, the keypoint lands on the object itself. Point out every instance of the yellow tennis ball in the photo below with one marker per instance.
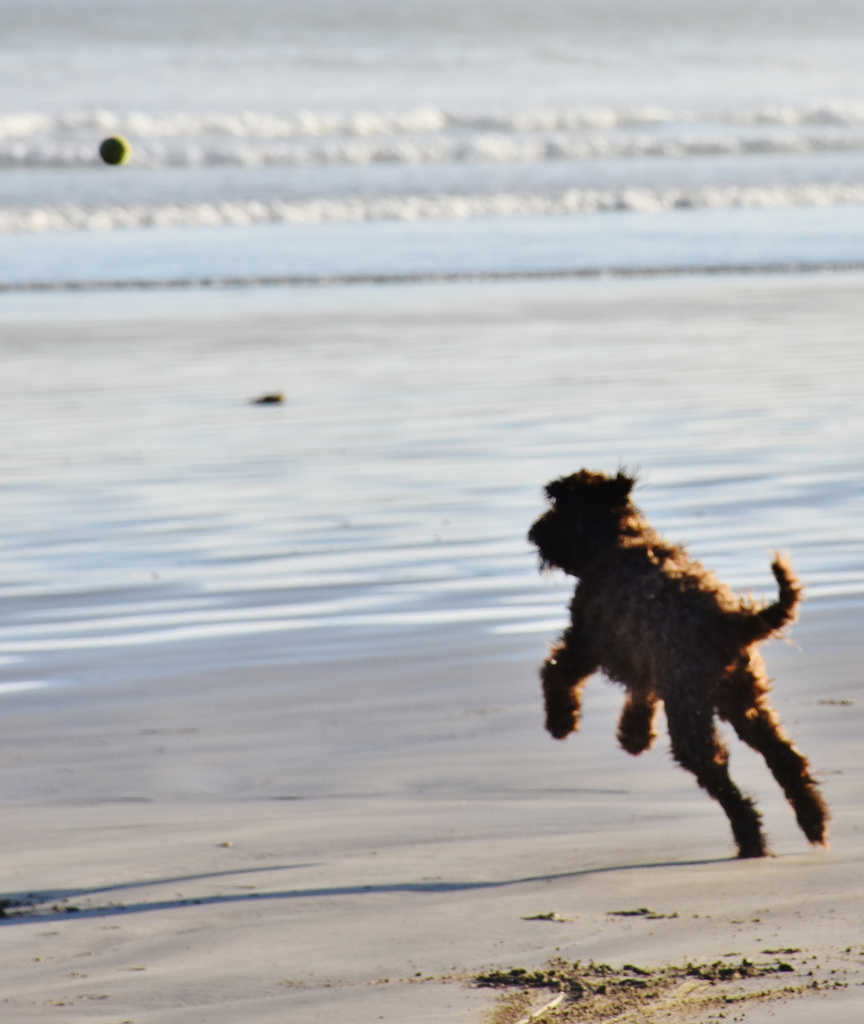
(116, 150)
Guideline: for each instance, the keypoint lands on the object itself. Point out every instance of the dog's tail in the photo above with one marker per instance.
(770, 620)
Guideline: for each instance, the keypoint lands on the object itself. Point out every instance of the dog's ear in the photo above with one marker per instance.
(557, 488)
(620, 487)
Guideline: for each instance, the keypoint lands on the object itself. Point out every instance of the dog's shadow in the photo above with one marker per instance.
(46, 905)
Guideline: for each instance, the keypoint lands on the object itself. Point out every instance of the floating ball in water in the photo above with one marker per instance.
(116, 150)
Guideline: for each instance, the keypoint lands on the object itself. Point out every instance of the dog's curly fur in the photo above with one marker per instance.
(673, 634)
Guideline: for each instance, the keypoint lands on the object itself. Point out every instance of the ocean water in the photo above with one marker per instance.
(313, 140)
(153, 521)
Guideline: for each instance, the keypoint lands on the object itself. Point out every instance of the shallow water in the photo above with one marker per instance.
(152, 519)
(676, 241)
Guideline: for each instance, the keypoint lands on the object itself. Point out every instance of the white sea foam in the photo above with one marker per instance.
(426, 135)
(486, 147)
(356, 208)
(251, 124)
(22, 686)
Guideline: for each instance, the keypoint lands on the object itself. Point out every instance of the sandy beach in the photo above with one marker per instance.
(273, 745)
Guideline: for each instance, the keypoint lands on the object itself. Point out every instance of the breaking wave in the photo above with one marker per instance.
(485, 148)
(263, 125)
(70, 217)
(425, 135)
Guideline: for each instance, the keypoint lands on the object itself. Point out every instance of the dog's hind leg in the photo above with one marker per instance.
(697, 747)
(744, 705)
(636, 731)
(564, 674)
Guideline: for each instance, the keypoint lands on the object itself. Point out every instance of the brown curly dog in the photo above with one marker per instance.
(650, 617)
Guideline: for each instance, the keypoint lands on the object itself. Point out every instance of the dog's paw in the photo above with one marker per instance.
(561, 725)
(636, 744)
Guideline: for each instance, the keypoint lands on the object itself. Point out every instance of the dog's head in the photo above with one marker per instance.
(586, 515)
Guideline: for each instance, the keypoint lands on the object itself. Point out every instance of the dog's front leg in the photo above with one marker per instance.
(636, 726)
(564, 675)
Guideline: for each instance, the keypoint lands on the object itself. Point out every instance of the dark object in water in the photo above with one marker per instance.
(273, 398)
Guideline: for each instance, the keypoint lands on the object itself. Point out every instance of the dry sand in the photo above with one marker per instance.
(374, 888)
